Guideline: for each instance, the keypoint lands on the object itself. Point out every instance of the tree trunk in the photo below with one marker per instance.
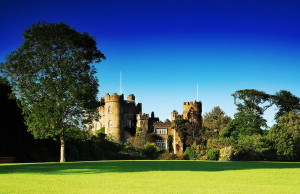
(62, 148)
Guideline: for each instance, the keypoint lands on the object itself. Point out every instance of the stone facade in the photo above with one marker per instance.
(118, 116)
(121, 118)
(192, 111)
(163, 130)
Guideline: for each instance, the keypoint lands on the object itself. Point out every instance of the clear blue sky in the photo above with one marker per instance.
(165, 47)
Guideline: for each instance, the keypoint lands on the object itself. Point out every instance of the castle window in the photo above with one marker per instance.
(109, 109)
(110, 123)
(162, 144)
(128, 124)
(161, 131)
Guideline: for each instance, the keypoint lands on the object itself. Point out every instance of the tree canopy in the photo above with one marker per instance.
(252, 100)
(286, 102)
(52, 77)
(216, 120)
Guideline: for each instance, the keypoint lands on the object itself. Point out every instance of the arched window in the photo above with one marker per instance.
(110, 123)
(109, 109)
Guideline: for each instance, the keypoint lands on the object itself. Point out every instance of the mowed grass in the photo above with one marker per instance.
(151, 177)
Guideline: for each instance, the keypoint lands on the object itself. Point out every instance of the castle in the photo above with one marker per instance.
(120, 118)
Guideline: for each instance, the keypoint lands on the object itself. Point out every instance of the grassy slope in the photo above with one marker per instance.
(151, 177)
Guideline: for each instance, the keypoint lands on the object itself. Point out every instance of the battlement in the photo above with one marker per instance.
(175, 115)
(131, 97)
(102, 101)
(142, 116)
(195, 103)
(114, 98)
(162, 124)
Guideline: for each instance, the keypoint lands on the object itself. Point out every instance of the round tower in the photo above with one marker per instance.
(192, 111)
(113, 115)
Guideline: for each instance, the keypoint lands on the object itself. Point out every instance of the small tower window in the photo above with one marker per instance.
(109, 109)
(110, 123)
(129, 123)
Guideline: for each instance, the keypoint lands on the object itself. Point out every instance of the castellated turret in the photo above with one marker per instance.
(131, 97)
(118, 116)
(113, 114)
(192, 111)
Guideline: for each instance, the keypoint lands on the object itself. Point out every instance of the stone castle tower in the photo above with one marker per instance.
(192, 111)
(112, 113)
(116, 115)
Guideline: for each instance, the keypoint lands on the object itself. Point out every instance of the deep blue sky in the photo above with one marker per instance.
(164, 48)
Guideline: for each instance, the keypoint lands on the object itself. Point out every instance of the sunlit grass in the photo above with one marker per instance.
(151, 177)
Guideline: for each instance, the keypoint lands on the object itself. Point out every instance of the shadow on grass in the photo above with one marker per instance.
(96, 167)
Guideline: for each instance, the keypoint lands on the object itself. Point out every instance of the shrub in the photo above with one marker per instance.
(152, 137)
(282, 142)
(254, 147)
(190, 153)
(170, 141)
(213, 154)
(151, 150)
(101, 132)
(137, 142)
(226, 154)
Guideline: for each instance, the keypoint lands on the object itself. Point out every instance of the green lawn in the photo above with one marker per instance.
(151, 177)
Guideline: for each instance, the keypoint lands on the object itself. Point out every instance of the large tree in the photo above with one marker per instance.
(216, 120)
(52, 76)
(286, 102)
(248, 120)
(291, 123)
(252, 100)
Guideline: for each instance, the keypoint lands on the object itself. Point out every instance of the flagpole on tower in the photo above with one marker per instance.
(197, 92)
(120, 82)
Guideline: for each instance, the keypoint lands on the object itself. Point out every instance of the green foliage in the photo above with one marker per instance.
(283, 142)
(226, 154)
(213, 154)
(180, 126)
(244, 123)
(193, 133)
(291, 122)
(251, 100)
(286, 102)
(139, 139)
(169, 143)
(101, 132)
(219, 143)
(216, 120)
(286, 136)
(152, 137)
(194, 151)
(151, 150)
(254, 147)
(138, 131)
(248, 120)
(190, 153)
(51, 76)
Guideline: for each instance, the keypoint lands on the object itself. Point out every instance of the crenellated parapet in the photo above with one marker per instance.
(131, 97)
(162, 124)
(143, 116)
(114, 97)
(192, 110)
(175, 115)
